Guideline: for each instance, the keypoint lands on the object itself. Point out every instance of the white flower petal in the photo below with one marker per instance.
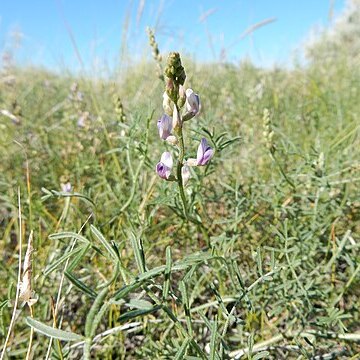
(167, 159)
(185, 174)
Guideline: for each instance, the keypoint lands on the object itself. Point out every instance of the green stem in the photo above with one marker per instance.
(179, 168)
(282, 171)
(180, 137)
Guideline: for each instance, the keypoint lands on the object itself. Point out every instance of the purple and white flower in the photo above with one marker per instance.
(192, 102)
(66, 187)
(163, 168)
(204, 154)
(165, 126)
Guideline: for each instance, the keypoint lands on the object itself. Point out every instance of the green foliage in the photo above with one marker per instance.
(269, 268)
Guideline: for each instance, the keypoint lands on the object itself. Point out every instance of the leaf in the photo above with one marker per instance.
(214, 333)
(78, 257)
(166, 286)
(68, 234)
(140, 304)
(134, 313)
(59, 261)
(150, 274)
(94, 315)
(259, 261)
(52, 332)
(104, 242)
(261, 355)
(4, 303)
(181, 352)
(138, 252)
(79, 284)
(51, 193)
(122, 292)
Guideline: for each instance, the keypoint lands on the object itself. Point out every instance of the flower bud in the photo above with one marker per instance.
(176, 119)
(182, 97)
(171, 89)
(185, 174)
(191, 162)
(167, 104)
(174, 69)
(172, 140)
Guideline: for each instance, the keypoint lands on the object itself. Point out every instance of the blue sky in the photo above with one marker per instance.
(49, 29)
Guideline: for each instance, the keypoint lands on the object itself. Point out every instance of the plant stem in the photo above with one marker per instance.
(28, 354)
(179, 168)
(282, 171)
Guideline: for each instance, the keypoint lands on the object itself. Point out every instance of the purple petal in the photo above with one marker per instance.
(207, 156)
(165, 126)
(163, 171)
(66, 187)
(163, 168)
(204, 153)
(201, 149)
(192, 102)
(196, 103)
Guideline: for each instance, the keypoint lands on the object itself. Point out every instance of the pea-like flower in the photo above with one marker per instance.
(163, 168)
(192, 102)
(165, 126)
(66, 187)
(204, 154)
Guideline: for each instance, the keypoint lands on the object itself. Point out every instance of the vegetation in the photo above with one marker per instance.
(267, 264)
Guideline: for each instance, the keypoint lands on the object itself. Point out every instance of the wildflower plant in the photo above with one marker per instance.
(179, 106)
(279, 278)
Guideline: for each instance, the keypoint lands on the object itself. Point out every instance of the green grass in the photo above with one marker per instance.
(274, 267)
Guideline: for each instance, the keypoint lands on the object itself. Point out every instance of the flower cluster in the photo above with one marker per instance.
(119, 109)
(179, 105)
(155, 52)
(268, 132)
